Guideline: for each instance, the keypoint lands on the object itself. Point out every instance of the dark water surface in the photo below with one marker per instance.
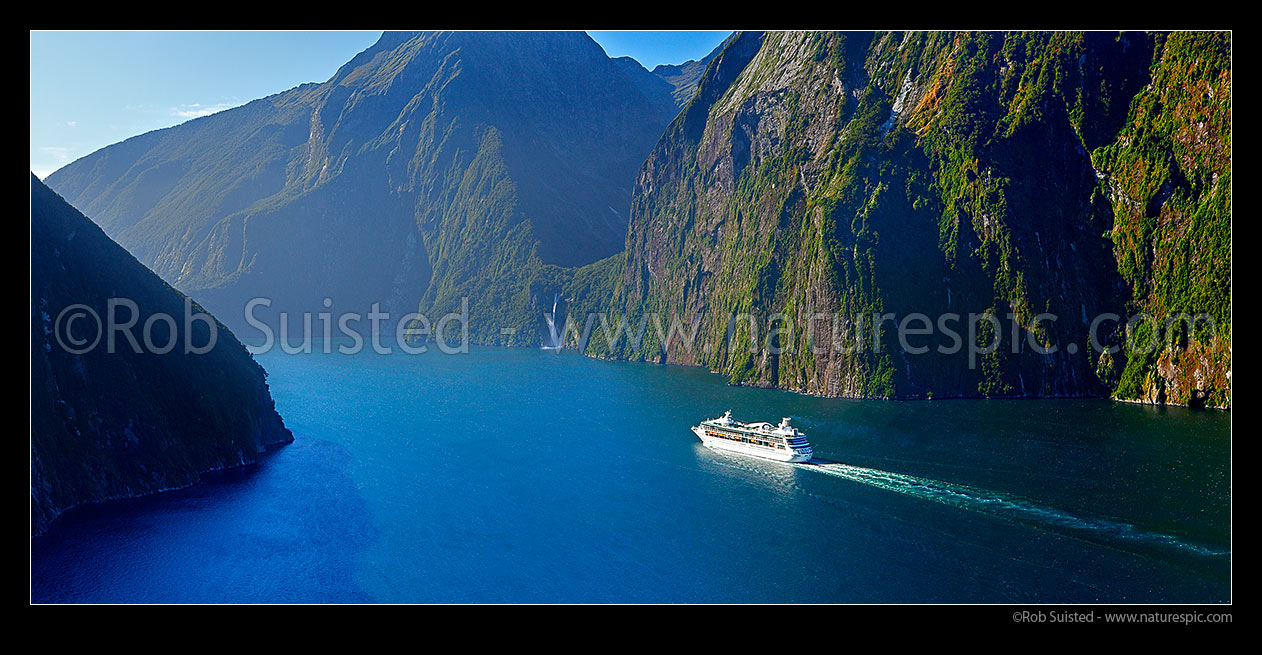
(528, 476)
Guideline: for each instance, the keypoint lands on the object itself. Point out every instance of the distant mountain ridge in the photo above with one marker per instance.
(685, 77)
(430, 167)
(671, 85)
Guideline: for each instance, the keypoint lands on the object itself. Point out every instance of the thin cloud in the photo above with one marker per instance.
(54, 157)
(197, 110)
(58, 153)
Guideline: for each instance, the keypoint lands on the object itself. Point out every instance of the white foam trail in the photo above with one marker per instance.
(991, 502)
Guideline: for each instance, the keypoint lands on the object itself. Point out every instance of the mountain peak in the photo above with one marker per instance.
(391, 181)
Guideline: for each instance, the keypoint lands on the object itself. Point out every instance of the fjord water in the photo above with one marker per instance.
(533, 476)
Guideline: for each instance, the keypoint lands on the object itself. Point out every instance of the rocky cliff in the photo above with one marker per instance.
(819, 179)
(115, 425)
(886, 215)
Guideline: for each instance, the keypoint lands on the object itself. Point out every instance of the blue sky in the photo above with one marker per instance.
(653, 48)
(92, 89)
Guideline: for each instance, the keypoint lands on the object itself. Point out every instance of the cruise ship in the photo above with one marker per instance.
(783, 443)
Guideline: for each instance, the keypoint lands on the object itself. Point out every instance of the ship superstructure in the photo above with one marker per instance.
(783, 442)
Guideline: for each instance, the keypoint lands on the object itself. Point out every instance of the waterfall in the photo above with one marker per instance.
(554, 339)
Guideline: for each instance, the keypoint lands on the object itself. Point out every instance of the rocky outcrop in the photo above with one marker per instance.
(108, 425)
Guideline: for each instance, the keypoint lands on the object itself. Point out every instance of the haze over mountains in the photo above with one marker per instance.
(431, 166)
(997, 173)
(678, 81)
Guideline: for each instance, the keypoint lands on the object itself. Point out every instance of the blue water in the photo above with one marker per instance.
(532, 476)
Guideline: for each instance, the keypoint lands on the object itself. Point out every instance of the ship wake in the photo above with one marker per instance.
(1004, 506)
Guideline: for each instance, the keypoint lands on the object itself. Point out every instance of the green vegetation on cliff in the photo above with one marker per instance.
(862, 175)
(1168, 178)
(816, 191)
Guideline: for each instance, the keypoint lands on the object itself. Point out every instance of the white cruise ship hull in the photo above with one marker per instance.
(754, 450)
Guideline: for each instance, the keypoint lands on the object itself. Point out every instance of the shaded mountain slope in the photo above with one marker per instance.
(431, 166)
(114, 425)
(1010, 176)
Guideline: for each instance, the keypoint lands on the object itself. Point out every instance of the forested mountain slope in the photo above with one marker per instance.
(862, 175)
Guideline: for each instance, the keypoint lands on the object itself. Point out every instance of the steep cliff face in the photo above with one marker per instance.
(431, 167)
(816, 191)
(1168, 178)
(114, 425)
(820, 182)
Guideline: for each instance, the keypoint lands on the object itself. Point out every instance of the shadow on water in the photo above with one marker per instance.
(536, 476)
(286, 529)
